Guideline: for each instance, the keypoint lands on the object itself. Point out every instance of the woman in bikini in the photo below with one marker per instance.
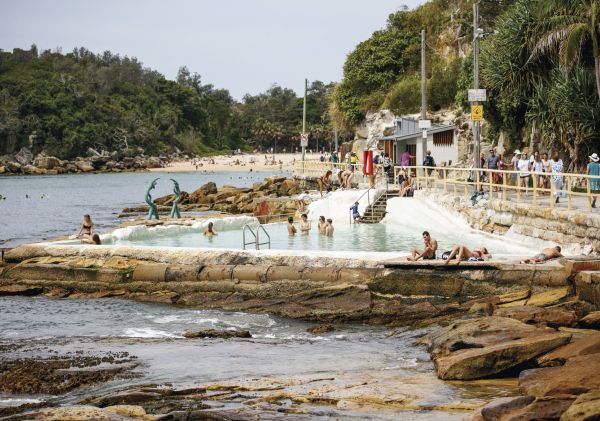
(87, 230)
(462, 252)
(325, 182)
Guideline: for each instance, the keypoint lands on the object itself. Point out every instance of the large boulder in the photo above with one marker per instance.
(592, 320)
(578, 375)
(30, 169)
(472, 349)
(553, 317)
(524, 408)
(47, 162)
(154, 162)
(13, 167)
(84, 166)
(588, 344)
(585, 408)
(24, 156)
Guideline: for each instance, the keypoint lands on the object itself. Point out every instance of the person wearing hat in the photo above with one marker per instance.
(593, 169)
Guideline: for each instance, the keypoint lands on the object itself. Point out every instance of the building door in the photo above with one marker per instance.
(412, 150)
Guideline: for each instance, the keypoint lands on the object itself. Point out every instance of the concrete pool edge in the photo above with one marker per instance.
(299, 286)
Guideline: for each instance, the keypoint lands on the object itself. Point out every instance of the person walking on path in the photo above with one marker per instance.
(557, 167)
(513, 165)
(537, 166)
(429, 162)
(593, 169)
(523, 168)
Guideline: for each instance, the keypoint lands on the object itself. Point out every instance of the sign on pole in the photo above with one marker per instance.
(424, 124)
(476, 112)
(477, 95)
(304, 140)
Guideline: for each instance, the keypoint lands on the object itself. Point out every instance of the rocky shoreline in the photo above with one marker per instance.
(25, 163)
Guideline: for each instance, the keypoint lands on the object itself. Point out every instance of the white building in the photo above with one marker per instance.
(441, 141)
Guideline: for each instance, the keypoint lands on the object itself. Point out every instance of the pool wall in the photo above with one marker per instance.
(297, 286)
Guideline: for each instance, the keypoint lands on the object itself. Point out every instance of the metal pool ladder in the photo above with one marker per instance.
(256, 236)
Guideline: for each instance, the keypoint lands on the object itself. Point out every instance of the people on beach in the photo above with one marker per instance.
(355, 214)
(302, 199)
(86, 230)
(325, 182)
(210, 230)
(304, 224)
(593, 170)
(94, 239)
(329, 228)
(429, 249)
(321, 225)
(290, 227)
(462, 252)
(546, 254)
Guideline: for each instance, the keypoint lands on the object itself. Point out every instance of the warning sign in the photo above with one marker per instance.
(304, 139)
(477, 112)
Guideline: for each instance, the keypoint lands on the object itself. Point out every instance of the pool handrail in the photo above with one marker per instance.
(256, 236)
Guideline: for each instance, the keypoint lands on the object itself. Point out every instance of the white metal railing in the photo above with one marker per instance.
(256, 236)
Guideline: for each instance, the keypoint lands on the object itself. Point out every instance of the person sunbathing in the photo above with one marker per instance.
(429, 249)
(546, 254)
(462, 252)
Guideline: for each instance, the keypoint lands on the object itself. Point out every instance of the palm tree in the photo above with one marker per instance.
(569, 25)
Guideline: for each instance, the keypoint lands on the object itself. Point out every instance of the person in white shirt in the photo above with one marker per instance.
(523, 168)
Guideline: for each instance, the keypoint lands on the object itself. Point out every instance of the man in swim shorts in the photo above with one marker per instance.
(544, 256)
(428, 252)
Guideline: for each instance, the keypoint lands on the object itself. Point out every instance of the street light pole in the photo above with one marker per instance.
(304, 117)
(476, 124)
(423, 96)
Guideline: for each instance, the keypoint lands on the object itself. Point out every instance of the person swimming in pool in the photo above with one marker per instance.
(429, 249)
(321, 225)
(329, 228)
(304, 225)
(290, 227)
(462, 252)
(210, 230)
(544, 256)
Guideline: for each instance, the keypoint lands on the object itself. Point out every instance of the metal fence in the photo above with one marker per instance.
(540, 189)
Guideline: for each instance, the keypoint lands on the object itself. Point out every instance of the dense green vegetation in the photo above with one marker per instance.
(540, 62)
(63, 104)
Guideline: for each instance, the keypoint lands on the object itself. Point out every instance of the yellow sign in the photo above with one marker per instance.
(476, 112)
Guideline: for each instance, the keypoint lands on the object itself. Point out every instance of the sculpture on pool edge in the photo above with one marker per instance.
(152, 208)
(175, 210)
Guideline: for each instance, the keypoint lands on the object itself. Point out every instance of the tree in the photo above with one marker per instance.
(570, 25)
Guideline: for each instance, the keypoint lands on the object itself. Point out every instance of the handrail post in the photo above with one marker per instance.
(569, 192)
(534, 175)
(445, 175)
(504, 186)
(589, 193)
(552, 193)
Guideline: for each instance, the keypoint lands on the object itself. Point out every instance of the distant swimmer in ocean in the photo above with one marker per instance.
(546, 254)
(291, 228)
(462, 252)
(86, 230)
(210, 230)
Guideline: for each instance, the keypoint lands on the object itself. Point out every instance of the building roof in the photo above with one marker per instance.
(408, 128)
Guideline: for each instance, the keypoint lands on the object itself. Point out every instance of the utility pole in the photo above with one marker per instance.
(476, 124)
(335, 135)
(423, 97)
(304, 119)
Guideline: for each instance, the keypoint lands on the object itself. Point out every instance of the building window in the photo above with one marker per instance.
(443, 138)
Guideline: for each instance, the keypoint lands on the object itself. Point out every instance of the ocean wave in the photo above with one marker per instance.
(148, 333)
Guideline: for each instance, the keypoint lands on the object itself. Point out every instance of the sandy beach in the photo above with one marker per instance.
(242, 163)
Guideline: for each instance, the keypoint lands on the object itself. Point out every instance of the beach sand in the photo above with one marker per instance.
(239, 163)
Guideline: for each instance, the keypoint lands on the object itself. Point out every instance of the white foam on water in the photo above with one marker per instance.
(4, 402)
(142, 232)
(148, 333)
(336, 205)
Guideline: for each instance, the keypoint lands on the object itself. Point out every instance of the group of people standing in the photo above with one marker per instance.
(540, 169)
(325, 226)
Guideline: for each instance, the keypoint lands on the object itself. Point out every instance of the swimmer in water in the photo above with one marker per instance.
(291, 228)
(321, 225)
(210, 230)
(329, 228)
(95, 239)
(305, 224)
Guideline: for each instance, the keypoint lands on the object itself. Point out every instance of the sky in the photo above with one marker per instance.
(244, 46)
